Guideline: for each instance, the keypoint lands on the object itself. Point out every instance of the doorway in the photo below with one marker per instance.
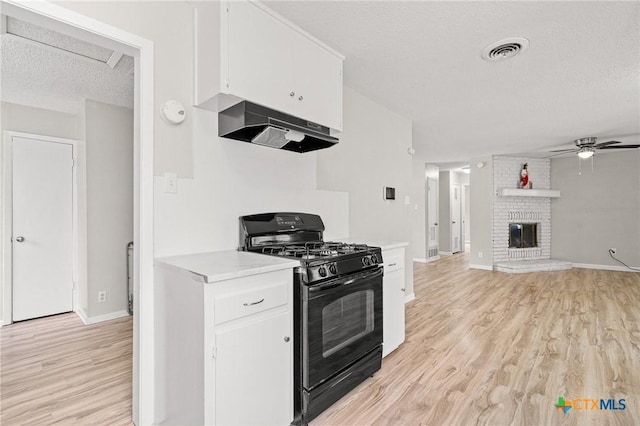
(63, 20)
(40, 208)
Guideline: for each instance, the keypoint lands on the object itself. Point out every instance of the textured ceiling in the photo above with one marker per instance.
(46, 69)
(579, 77)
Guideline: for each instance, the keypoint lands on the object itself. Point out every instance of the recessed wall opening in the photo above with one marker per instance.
(523, 235)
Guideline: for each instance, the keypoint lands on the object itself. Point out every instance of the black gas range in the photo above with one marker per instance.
(337, 306)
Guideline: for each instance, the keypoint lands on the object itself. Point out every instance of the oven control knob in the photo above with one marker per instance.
(374, 259)
(366, 261)
(333, 269)
(322, 271)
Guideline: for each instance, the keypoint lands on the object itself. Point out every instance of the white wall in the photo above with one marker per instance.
(418, 208)
(597, 210)
(169, 24)
(481, 182)
(109, 185)
(444, 210)
(372, 153)
(231, 179)
(20, 118)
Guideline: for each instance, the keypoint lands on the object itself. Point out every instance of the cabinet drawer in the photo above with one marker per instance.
(391, 263)
(238, 305)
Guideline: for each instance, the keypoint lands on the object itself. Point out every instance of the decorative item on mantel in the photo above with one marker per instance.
(525, 183)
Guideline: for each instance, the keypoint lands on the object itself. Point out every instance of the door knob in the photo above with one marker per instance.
(19, 239)
(436, 224)
(292, 94)
(453, 221)
(300, 98)
(286, 338)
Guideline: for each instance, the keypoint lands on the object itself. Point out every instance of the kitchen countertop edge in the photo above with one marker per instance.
(226, 265)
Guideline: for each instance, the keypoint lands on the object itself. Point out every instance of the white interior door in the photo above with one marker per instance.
(42, 231)
(432, 218)
(456, 221)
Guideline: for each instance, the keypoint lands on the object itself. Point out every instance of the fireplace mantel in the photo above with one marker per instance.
(516, 192)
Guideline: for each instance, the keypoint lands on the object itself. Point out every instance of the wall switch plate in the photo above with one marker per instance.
(170, 183)
(102, 296)
(480, 255)
(407, 200)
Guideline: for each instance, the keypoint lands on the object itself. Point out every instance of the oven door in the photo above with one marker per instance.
(342, 322)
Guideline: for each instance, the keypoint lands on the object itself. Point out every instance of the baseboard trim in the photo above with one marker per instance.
(420, 260)
(445, 253)
(409, 297)
(100, 318)
(604, 267)
(483, 267)
(1, 323)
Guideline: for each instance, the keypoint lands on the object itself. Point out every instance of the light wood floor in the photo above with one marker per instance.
(57, 371)
(488, 348)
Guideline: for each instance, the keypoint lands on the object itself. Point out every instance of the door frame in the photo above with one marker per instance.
(7, 224)
(85, 28)
(452, 190)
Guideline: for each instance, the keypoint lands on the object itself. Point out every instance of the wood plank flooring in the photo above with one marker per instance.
(57, 371)
(489, 348)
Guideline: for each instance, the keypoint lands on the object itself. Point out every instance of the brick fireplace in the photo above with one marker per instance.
(508, 210)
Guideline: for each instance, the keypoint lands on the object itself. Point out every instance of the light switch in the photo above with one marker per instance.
(407, 200)
(170, 183)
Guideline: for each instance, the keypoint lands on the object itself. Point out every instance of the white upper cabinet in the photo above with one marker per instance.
(263, 58)
(259, 57)
(318, 83)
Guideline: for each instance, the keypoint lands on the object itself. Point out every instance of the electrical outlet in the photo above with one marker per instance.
(102, 296)
(613, 250)
(480, 255)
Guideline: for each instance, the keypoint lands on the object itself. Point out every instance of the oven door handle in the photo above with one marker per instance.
(372, 273)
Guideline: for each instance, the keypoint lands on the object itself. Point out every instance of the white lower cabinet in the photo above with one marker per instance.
(253, 372)
(393, 302)
(227, 349)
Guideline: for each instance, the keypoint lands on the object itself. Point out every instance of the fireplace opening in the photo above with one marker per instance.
(523, 235)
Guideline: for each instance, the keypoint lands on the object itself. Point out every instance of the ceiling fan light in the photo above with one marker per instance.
(586, 152)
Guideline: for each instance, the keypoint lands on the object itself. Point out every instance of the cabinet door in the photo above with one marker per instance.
(254, 373)
(260, 55)
(393, 310)
(318, 83)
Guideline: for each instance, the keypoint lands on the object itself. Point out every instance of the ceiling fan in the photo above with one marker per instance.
(586, 147)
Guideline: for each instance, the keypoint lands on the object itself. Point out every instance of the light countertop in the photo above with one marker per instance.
(383, 244)
(226, 265)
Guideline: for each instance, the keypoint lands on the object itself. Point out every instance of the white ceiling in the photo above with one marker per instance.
(49, 70)
(579, 76)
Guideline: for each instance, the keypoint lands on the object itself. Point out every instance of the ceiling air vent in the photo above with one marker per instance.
(504, 49)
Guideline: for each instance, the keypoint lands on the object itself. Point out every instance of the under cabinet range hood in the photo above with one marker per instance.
(256, 124)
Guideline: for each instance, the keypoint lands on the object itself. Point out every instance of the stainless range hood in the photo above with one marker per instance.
(256, 124)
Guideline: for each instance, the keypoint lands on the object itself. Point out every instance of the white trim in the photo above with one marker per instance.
(7, 213)
(483, 267)
(445, 253)
(1, 323)
(100, 318)
(88, 29)
(409, 297)
(420, 260)
(604, 267)
(432, 259)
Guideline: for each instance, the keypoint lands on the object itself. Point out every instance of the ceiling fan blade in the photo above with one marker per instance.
(601, 144)
(620, 147)
(564, 150)
(558, 153)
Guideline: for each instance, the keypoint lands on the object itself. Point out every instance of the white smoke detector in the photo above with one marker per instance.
(504, 49)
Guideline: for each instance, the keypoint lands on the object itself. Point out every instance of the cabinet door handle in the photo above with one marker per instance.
(300, 98)
(292, 94)
(253, 303)
(286, 338)
(403, 289)
(392, 264)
